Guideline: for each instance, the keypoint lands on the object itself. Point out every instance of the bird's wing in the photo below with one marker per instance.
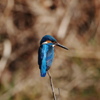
(50, 56)
(45, 58)
(42, 53)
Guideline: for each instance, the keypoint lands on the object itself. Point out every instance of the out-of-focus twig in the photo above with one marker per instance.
(1, 48)
(66, 19)
(6, 55)
(59, 94)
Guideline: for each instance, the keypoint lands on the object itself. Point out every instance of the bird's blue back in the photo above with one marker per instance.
(45, 57)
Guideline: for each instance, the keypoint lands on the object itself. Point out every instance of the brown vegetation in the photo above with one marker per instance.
(75, 24)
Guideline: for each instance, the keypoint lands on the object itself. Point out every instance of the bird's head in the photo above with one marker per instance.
(49, 39)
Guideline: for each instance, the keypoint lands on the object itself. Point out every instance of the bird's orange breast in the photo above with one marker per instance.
(48, 41)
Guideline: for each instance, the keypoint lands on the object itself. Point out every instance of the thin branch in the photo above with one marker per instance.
(52, 86)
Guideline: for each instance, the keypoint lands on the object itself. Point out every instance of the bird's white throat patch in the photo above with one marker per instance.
(44, 42)
(53, 45)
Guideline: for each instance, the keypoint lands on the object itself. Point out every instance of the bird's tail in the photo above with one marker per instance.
(43, 72)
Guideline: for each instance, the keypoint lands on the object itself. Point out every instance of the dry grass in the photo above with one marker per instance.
(75, 24)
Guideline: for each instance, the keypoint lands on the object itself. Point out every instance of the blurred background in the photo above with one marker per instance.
(76, 72)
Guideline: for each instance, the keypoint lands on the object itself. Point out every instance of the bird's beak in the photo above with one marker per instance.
(57, 44)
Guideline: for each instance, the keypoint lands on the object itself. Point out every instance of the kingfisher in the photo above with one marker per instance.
(46, 53)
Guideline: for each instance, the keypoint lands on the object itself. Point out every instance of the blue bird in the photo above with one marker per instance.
(46, 53)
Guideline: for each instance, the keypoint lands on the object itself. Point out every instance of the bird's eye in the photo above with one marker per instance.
(54, 42)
